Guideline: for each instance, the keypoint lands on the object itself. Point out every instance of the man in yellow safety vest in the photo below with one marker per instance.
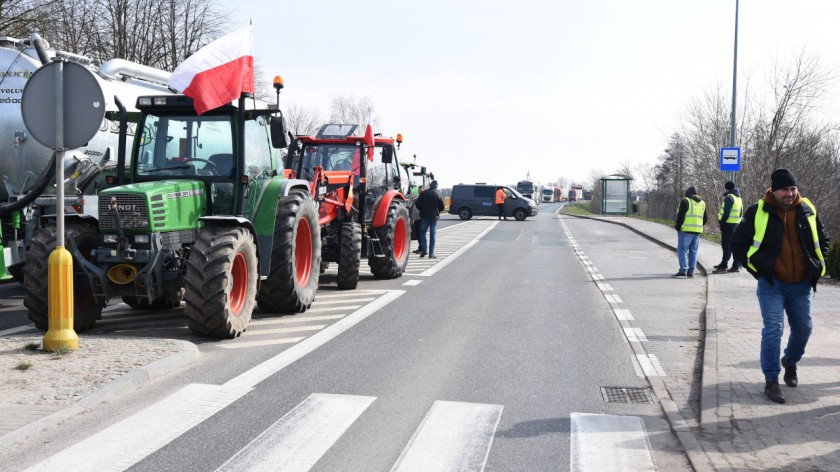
(729, 216)
(783, 244)
(691, 217)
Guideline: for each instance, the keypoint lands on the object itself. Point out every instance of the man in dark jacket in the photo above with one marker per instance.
(691, 217)
(783, 244)
(729, 216)
(430, 203)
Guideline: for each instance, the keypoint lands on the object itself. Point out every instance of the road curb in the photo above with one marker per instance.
(709, 378)
(187, 353)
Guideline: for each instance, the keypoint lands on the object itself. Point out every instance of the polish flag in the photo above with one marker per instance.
(369, 141)
(218, 73)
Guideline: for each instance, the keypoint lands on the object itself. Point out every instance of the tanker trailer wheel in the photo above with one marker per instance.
(86, 310)
(295, 256)
(393, 239)
(221, 281)
(350, 255)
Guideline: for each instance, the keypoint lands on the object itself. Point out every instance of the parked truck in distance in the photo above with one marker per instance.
(528, 189)
(548, 195)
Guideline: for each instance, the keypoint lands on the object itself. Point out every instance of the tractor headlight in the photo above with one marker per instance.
(110, 238)
(141, 239)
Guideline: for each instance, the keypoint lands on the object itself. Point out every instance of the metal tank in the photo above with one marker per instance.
(24, 162)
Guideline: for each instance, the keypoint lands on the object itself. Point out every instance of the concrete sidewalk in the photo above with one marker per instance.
(739, 428)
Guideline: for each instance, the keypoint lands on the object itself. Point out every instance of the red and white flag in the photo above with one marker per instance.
(217, 73)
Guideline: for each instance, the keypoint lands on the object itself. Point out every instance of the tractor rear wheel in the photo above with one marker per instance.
(393, 239)
(350, 255)
(221, 281)
(86, 310)
(295, 256)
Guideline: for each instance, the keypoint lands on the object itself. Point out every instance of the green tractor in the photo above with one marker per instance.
(209, 217)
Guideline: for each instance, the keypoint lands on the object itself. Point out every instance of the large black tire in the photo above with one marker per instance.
(86, 310)
(350, 255)
(221, 281)
(394, 240)
(520, 214)
(464, 213)
(295, 257)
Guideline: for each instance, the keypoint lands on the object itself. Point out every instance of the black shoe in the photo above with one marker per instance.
(773, 391)
(734, 269)
(422, 254)
(432, 257)
(719, 270)
(689, 275)
(790, 374)
(417, 251)
(721, 266)
(678, 275)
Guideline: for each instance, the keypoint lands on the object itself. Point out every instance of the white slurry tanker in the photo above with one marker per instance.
(27, 184)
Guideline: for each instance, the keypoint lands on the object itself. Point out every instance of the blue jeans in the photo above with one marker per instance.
(687, 244)
(431, 225)
(775, 300)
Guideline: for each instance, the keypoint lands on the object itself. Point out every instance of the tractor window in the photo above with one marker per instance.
(257, 149)
(185, 146)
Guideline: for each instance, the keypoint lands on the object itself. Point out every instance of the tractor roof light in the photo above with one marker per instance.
(159, 100)
(399, 140)
(144, 101)
(278, 83)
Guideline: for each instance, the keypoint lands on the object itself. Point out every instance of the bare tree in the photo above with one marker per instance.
(19, 18)
(352, 110)
(302, 120)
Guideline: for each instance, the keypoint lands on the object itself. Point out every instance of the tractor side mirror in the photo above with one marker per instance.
(279, 136)
(422, 170)
(387, 154)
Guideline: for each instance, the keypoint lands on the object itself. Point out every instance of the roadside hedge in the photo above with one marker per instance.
(833, 262)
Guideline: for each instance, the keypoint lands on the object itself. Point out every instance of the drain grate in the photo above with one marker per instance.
(626, 395)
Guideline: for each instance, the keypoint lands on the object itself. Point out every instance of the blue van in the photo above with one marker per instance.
(470, 200)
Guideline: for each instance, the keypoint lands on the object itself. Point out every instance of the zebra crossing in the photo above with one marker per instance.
(453, 436)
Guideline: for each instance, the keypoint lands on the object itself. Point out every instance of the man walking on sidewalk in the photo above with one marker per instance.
(782, 243)
(729, 216)
(691, 216)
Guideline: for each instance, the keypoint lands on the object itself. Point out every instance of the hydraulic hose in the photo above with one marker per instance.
(35, 192)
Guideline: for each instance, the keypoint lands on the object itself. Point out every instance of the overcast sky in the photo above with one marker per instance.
(491, 90)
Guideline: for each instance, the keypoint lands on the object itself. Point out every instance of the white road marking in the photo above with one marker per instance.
(453, 436)
(348, 295)
(285, 358)
(299, 439)
(17, 329)
(608, 442)
(445, 262)
(292, 329)
(342, 300)
(413, 283)
(650, 365)
(334, 308)
(265, 342)
(635, 335)
(612, 298)
(623, 314)
(127, 442)
(295, 319)
(605, 287)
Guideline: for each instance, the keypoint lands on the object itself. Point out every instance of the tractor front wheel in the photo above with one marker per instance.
(221, 281)
(350, 255)
(295, 256)
(394, 241)
(86, 310)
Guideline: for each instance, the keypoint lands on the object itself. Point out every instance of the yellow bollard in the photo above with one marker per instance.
(60, 334)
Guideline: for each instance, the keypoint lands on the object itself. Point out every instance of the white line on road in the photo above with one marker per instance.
(265, 342)
(612, 298)
(292, 329)
(454, 436)
(623, 314)
(125, 443)
(299, 439)
(445, 262)
(608, 442)
(295, 319)
(650, 365)
(285, 358)
(635, 335)
(16, 329)
(413, 283)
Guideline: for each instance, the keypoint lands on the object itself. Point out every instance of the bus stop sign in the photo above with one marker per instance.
(730, 159)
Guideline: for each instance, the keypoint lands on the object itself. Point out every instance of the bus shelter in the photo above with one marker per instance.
(615, 191)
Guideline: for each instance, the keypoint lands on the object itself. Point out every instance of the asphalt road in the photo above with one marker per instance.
(494, 357)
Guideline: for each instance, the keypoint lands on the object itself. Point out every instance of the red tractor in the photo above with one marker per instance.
(360, 190)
